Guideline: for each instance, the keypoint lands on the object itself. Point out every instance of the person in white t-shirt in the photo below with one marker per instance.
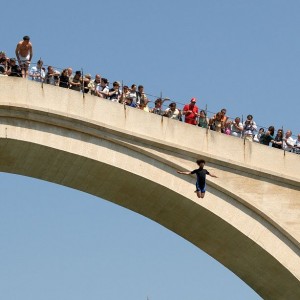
(36, 73)
(249, 128)
(236, 127)
(297, 145)
(132, 97)
(172, 112)
(102, 90)
(288, 141)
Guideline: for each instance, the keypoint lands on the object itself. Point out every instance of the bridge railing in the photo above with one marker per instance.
(152, 97)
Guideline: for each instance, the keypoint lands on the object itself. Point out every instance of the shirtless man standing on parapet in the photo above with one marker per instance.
(24, 54)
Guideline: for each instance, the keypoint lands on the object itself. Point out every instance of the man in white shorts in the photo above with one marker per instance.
(24, 54)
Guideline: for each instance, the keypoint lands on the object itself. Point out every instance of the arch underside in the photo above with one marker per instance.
(135, 178)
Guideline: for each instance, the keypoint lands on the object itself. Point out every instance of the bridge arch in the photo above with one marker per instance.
(249, 221)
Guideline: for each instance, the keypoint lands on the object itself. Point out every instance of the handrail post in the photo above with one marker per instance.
(82, 84)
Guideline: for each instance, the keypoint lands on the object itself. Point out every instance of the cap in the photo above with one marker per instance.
(194, 100)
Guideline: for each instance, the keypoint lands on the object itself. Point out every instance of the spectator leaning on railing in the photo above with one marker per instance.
(75, 83)
(125, 95)
(70, 73)
(157, 109)
(64, 79)
(4, 63)
(236, 127)
(141, 96)
(258, 135)
(95, 84)
(277, 143)
(224, 119)
(296, 148)
(249, 128)
(86, 83)
(143, 106)
(114, 93)
(288, 141)
(172, 112)
(102, 90)
(37, 73)
(190, 112)
(216, 123)
(203, 120)
(132, 97)
(14, 69)
(52, 76)
(267, 137)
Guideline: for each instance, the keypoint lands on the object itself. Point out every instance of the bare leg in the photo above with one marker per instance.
(23, 70)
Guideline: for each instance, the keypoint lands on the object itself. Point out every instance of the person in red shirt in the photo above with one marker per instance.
(190, 111)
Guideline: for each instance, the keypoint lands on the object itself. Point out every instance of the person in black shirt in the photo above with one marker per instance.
(14, 69)
(267, 136)
(277, 143)
(4, 61)
(201, 177)
(114, 93)
(64, 79)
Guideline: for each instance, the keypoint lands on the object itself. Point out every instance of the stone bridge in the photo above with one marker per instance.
(249, 219)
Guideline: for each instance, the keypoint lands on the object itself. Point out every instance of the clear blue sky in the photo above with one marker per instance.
(57, 243)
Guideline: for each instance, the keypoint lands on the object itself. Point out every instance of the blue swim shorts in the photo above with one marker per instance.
(200, 188)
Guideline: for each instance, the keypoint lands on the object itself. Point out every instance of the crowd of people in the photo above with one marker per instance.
(135, 96)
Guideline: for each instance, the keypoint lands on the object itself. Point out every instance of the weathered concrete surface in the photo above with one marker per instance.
(249, 219)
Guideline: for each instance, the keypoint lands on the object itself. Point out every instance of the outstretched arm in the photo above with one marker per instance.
(212, 175)
(30, 52)
(184, 172)
(17, 52)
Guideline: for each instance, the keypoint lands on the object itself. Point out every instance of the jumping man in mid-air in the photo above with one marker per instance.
(201, 177)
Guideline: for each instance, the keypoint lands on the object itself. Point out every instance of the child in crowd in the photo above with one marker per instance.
(201, 177)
